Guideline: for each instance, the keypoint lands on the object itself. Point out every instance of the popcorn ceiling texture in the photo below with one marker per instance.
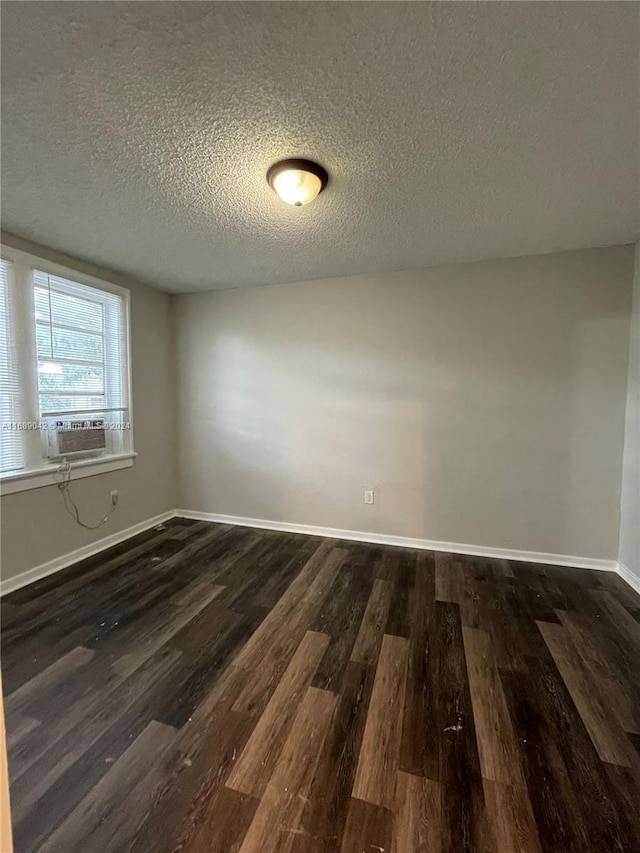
(137, 135)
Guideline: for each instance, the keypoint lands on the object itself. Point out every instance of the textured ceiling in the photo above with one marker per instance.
(137, 135)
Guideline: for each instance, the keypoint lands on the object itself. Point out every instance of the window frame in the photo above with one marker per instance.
(38, 471)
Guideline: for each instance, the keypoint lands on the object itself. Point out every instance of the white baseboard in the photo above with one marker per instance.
(401, 541)
(630, 577)
(48, 568)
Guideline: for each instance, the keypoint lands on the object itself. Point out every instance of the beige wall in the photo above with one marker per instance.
(34, 525)
(484, 403)
(629, 553)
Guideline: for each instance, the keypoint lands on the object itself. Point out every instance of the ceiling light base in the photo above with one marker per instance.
(297, 181)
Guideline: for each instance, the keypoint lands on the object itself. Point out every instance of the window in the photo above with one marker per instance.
(11, 449)
(81, 346)
(64, 364)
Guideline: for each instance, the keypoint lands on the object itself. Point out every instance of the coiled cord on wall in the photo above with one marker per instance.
(62, 478)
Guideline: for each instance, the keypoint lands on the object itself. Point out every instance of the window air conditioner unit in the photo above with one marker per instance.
(77, 437)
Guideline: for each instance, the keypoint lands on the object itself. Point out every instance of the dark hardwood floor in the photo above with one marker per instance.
(212, 688)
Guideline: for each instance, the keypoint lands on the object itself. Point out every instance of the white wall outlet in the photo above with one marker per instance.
(368, 496)
(113, 497)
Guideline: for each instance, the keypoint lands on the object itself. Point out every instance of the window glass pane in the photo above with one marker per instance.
(69, 343)
(71, 311)
(41, 296)
(68, 310)
(54, 376)
(72, 403)
(43, 340)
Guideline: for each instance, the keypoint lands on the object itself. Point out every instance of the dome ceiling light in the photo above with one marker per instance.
(297, 181)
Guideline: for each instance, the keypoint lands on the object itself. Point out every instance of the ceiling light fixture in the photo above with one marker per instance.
(297, 181)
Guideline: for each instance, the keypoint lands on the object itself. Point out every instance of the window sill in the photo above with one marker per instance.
(21, 481)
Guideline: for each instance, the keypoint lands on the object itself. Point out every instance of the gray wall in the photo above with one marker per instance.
(484, 402)
(629, 553)
(35, 527)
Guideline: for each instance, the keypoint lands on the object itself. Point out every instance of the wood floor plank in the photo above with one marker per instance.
(148, 639)
(446, 578)
(456, 585)
(208, 644)
(497, 745)
(341, 617)
(465, 824)
(620, 589)
(277, 819)
(259, 689)
(607, 827)
(512, 820)
(416, 823)
(325, 812)
(52, 677)
(187, 531)
(603, 674)
(127, 778)
(507, 631)
(369, 828)
(190, 796)
(206, 749)
(628, 628)
(268, 577)
(571, 798)
(530, 603)
(554, 802)
(492, 583)
(380, 751)
(402, 579)
(621, 655)
(385, 563)
(269, 651)
(39, 768)
(223, 825)
(250, 572)
(419, 745)
(608, 737)
(20, 727)
(625, 787)
(255, 765)
(302, 599)
(369, 639)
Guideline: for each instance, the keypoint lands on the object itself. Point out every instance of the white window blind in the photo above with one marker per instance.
(81, 341)
(11, 436)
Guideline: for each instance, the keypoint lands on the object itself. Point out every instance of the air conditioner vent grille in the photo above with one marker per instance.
(79, 437)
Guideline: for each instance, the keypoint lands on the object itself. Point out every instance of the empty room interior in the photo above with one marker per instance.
(320, 427)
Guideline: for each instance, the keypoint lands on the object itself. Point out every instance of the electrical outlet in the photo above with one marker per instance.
(113, 497)
(368, 496)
